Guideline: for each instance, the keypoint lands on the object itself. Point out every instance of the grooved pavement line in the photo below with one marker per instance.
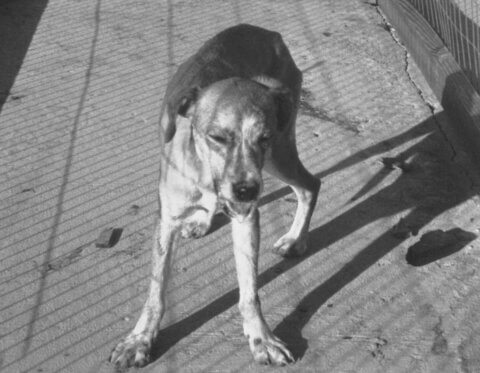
(79, 104)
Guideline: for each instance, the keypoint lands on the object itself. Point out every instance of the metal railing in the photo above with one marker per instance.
(457, 22)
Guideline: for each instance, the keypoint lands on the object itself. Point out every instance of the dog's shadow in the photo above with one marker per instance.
(434, 190)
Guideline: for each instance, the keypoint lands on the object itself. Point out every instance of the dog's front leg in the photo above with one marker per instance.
(266, 347)
(134, 350)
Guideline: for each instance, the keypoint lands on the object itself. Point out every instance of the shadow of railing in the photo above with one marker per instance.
(18, 22)
(434, 199)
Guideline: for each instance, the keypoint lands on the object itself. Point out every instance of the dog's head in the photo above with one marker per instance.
(234, 123)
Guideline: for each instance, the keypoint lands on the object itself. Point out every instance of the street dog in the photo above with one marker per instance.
(228, 113)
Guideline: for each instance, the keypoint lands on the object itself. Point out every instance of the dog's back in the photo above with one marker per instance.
(243, 51)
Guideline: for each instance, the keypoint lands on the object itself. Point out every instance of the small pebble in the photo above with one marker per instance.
(133, 210)
(108, 237)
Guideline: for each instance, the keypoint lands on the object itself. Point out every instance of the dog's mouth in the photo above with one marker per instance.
(237, 210)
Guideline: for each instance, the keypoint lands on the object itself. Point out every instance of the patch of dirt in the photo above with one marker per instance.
(469, 353)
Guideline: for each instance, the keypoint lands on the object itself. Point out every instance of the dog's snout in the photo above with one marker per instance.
(246, 191)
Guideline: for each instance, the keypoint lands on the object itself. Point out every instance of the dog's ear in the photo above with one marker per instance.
(187, 102)
(284, 102)
(282, 97)
(183, 106)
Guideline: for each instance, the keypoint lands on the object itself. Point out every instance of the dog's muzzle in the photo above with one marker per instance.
(245, 191)
(239, 199)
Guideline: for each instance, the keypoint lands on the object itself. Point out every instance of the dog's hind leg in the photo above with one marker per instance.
(134, 350)
(286, 165)
(266, 347)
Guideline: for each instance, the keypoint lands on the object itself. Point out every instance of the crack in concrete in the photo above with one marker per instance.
(406, 68)
(431, 107)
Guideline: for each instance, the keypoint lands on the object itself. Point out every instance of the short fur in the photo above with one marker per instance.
(228, 113)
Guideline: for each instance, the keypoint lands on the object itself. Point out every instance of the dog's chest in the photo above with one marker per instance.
(186, 187)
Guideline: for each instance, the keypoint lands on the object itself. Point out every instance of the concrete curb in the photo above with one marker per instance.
(446, 78)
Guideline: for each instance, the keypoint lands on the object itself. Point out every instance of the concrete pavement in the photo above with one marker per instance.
(79, 153)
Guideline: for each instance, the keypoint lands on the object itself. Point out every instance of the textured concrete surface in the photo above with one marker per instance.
(80, 90)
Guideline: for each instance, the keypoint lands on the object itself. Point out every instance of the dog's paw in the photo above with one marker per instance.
(194, 230)
(288, 246)
(134, 350)
(270, 350)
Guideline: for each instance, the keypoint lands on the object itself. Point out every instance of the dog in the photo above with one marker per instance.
(228, 113)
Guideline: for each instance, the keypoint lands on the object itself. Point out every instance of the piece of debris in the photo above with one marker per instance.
(14, 97)
(402, 230)
(133, 210)
(385, 26)
(64, 260)
(376, 350)
(108, 237)
(438, 244)
(393, 163)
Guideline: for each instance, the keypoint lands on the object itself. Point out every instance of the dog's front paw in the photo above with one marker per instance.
(194, 230)
(270, 350)
(288, 246)
(134, 350)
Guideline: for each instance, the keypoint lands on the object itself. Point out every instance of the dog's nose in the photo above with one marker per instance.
(246, 191)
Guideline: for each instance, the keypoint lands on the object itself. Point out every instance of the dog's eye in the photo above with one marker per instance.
(218, 139)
